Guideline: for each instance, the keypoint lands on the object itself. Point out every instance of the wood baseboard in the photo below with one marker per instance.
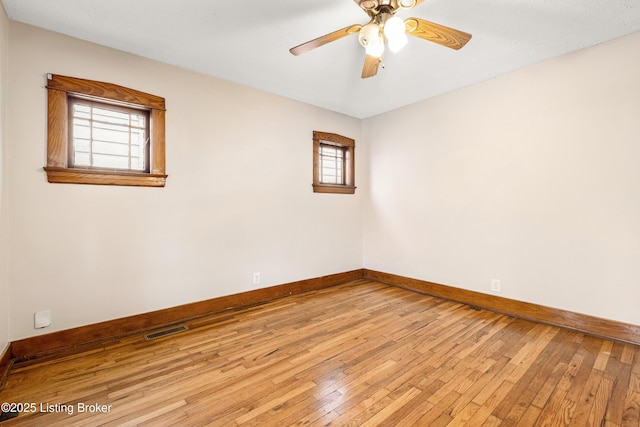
(66, 340)
(69, 339)
(590, 325)
(6, 362)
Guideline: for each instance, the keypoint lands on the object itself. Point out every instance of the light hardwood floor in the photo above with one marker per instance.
(358, 354)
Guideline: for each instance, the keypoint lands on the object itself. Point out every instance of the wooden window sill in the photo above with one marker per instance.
(334, 188)
(104, 177)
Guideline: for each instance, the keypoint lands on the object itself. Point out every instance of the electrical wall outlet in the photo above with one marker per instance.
(256, 278)
(496, 286)
(42, 319)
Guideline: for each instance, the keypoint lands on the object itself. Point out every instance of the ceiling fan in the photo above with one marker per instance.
(383, 27)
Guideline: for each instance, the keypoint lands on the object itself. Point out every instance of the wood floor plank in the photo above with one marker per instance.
(631, 414)
(513, 407)
(601, 403)
(484, 413)
(361, 353)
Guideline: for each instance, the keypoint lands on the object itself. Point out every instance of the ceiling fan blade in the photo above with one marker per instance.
(327, 38)
(370, 68)
(445, 36)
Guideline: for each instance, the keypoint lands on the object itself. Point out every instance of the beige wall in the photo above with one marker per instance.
(238, 198)
(4, 287)
(532, 178)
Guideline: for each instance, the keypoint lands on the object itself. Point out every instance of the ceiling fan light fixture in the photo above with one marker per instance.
(376, 48)
(369, 34)
(394, 31)
(396, 45)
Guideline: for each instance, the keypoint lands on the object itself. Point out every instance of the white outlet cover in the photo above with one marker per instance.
(42, 319)
(496, 285)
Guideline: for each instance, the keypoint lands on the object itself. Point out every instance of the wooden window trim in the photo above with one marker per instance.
(349, 144)
(59, 89)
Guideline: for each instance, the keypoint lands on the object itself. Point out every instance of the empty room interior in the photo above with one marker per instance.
(448, 234)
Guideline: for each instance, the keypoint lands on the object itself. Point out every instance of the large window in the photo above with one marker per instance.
(101, 133)
(333, 163)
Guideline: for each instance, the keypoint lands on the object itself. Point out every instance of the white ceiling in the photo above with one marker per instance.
(248, 41)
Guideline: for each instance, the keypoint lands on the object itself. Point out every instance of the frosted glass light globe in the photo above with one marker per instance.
(369, 34)
(377, 48)
(394, 31)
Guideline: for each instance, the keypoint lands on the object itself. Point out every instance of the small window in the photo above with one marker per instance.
(101, 133)
(333, 163)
